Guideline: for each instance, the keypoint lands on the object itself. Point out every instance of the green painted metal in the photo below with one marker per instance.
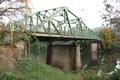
(60, 21)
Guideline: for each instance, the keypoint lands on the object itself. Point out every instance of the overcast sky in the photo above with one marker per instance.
(88, 10)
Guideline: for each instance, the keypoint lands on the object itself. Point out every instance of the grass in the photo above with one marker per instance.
(36, 70)
(41, 71)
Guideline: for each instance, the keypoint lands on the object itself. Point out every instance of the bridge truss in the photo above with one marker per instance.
(58, 22)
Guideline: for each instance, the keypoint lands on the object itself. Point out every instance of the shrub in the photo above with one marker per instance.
(8, 76)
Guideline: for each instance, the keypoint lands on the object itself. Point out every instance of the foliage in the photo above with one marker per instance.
(92, 75)
(8, 76)
(25, 37)
(112, 13)
(106, 69)
(34, 69)
(107, 36)
(99, 75)
(12, 9)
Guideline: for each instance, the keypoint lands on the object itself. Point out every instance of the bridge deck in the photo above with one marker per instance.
(60, 37)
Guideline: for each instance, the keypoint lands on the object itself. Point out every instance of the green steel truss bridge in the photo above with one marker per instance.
(58, 23)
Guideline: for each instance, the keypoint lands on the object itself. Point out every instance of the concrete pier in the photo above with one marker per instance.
(65, 56)
(78, 58)
(95, 47)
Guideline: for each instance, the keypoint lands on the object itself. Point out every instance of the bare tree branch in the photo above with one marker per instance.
(1, 1)
(10, 8)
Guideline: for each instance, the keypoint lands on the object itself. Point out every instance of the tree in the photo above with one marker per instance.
(112, 13)
(13, 9)
(107, 37)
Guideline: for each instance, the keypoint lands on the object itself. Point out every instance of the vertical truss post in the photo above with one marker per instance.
(49, 23)
(79, 27)
(67, 18)
(37, 22)
(64, 30)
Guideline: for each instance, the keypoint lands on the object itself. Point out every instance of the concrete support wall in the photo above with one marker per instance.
(69, 56)
(65, 56)
(94, 51)
(95, 46)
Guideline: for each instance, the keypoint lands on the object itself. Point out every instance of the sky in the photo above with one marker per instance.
(88, 10)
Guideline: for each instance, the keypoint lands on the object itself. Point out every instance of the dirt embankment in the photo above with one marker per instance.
(10, 53)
